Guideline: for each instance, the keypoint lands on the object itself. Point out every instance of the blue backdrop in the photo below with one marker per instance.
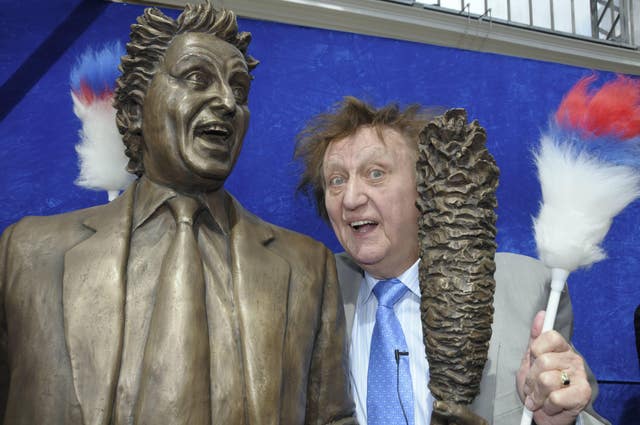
(302, 72)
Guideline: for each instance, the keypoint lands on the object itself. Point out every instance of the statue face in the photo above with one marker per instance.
(195, 113)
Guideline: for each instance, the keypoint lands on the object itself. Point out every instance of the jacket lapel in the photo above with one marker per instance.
(261, 282)
(93, 303)
(350, 277)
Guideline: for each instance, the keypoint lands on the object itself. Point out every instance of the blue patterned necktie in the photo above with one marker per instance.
(387, 380)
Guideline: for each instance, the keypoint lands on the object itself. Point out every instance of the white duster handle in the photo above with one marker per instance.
(558, 280)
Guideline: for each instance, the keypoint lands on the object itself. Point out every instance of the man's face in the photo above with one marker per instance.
(370, 195)
(195, 113)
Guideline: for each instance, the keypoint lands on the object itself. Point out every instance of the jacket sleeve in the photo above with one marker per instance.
(328, 395)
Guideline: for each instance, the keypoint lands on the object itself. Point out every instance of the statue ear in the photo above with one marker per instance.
(131, 120)
(135, 117)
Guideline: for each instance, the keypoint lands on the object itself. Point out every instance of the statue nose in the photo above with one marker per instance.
(222, 99)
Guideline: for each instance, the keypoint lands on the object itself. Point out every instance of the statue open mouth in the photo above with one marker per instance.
(213, 132)
(214, 137)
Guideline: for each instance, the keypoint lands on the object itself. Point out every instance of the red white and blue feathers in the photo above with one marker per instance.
(100, 149)
(588, 164)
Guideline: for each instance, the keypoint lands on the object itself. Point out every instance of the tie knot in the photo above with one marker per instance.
(389, 291)
(184, 209)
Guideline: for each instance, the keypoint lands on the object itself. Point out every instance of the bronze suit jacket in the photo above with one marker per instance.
(62, 293)
(522, 289)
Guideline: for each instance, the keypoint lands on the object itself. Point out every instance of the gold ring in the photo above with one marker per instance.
(564, 378)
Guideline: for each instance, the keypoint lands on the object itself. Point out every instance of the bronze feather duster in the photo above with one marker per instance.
(457, 179)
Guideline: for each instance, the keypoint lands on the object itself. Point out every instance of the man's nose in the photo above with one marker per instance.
(354, 194)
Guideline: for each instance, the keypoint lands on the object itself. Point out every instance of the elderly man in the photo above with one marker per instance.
(360, 166)
(172, 304)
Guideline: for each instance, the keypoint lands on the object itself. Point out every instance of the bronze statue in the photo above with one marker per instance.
(457, 180)
(172, 304)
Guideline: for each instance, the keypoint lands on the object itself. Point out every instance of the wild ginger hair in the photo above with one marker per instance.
(150, 37)
(346, 118)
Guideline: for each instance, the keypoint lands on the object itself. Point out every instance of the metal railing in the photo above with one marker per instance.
(609, 21)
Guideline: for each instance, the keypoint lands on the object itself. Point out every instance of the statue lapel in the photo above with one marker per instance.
(93, 304)
(261, 283)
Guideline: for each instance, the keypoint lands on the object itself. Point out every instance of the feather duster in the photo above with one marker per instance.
(456, 179)
(100, 149)
(588, 166)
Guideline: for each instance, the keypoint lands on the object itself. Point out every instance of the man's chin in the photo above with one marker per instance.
(368, 261)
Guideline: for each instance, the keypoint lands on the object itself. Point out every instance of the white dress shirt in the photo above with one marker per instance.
(407, 309)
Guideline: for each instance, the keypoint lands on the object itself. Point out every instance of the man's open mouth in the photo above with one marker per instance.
(362, 225)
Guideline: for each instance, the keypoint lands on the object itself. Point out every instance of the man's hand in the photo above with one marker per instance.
(448, 413)
(556, 398)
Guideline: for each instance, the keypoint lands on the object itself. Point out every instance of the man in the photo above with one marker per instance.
(360, 167)
(172, 304)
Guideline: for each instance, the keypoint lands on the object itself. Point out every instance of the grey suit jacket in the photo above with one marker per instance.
(62, 295)
(522, 289)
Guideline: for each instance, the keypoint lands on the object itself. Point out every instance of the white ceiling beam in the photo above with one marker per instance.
(424, 25)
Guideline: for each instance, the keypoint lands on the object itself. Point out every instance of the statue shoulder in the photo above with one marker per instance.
(40, 227)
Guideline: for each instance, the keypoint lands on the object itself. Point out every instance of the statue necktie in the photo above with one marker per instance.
(174, 386)
(389, 387)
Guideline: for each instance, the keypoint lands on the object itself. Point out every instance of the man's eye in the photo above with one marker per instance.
(336, 181)
(376, 174)
(197, 79)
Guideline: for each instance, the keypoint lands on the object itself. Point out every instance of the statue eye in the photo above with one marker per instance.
(240, 94)
(198, 79)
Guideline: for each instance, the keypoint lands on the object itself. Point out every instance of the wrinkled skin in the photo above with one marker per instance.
(538, 379)
(370, 197)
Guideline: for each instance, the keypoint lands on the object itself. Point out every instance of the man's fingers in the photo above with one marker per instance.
(568, 361)
(527, 359)
(565, 388)
(569, 400)
(536, 326)
(549, 342)
(541, 388)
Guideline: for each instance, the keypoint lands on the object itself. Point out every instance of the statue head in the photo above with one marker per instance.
(181, 100)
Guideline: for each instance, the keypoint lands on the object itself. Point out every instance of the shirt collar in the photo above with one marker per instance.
(150, 196)
(409, 278)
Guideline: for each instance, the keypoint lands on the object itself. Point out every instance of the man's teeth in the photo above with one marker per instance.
(358, 224)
